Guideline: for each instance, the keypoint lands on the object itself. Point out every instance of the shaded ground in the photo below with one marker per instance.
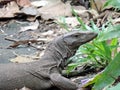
(12, 30)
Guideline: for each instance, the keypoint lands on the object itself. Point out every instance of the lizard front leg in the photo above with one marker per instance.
(62, 82)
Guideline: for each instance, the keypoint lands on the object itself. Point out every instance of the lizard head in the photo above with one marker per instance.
(76, 38)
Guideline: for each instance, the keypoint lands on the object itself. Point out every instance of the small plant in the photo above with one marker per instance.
(101, 51)
(62, 23)
(107, 77)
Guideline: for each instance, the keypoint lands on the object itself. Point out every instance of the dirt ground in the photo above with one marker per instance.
(32, 43)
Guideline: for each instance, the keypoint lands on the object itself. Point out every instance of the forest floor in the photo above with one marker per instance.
(27, 27)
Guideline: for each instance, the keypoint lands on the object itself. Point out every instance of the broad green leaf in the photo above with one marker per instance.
(107, 50)
(113, 3)
(117, 87)
(112, 32)
(107, 77)
(114, 45)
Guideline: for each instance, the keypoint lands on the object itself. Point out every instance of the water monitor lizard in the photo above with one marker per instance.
(45, 73)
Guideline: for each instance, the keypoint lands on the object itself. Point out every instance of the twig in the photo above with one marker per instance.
(22, 42)
(96, 6)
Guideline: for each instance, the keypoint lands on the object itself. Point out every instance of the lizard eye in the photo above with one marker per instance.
(76, 36)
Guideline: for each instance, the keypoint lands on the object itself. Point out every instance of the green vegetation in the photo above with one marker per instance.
(113, 3)
(62, 23)
(102, 52)
(108, 76)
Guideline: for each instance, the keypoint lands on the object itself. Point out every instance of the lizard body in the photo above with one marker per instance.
(45, 73)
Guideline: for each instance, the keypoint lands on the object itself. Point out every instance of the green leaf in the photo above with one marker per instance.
(114, 42)
(79, 19)
(94, 27)
(103, 49)
(117, 87)
(62, 23)
(112, 32)
(114, 45)
(71, 67)
(113, 3)
(107, 50)
(107, 77)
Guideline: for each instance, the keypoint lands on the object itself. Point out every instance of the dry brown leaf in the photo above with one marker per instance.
(97, 5)
(39, 3)
(23, 3)
(9, 10)
(55, 10)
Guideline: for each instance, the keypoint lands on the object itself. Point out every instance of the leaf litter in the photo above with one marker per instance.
(30, 25)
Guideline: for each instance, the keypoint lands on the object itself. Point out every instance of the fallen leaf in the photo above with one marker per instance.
(9, 10)
(55, 10)
(23, 3)
(29, 11)
(32, 26)
(97, 4)
(39, 3)
(71, 21)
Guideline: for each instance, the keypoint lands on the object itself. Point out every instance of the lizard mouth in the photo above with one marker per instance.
(76, 44)
(91, 37)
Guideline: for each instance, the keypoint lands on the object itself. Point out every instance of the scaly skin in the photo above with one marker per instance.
(45, 73)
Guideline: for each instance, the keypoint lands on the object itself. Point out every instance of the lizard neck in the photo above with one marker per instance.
(58, 51)
(56, 55)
